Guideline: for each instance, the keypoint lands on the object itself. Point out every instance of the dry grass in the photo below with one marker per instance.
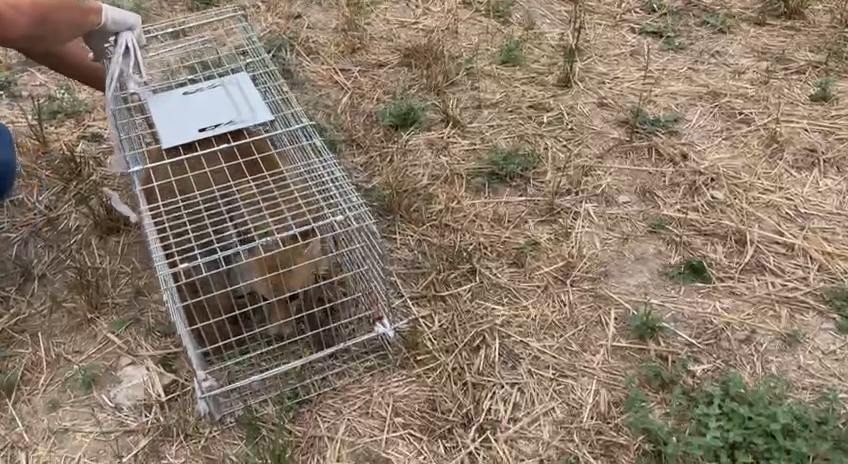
(529, 291)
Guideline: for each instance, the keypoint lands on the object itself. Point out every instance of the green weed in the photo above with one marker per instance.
(161, 329)
(645, 325)
(86, 376)
(168, 363)
(658, 28)
(8, 84)
(53, 405)
(837, 299)
(647, 123)
(330, 137)
(402, 115)
(524, 252)
(63, 104)
(664, 28)
(511, 53)
(500, 10)
(691, 271)
(663, 377)
(281, 49)
(93, 137)
(793, 337)
(9, 380)
(656, 6)
(823, 91)
(357, 8)
(658, 224)
(789, 9)
(200, 5)
(264, 446)
(119, 325)
(506, 165)
(733, 422)
(718, 22)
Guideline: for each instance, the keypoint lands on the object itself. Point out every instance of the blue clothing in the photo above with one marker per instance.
(8, 163)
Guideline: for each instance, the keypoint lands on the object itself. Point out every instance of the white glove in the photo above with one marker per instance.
(113, 21)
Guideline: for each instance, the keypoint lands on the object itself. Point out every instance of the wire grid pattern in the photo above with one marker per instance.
(196, 49)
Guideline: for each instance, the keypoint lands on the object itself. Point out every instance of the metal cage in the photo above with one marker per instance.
(221, 247)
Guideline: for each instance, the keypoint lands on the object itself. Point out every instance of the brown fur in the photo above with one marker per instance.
(221, 327)
(215, 194)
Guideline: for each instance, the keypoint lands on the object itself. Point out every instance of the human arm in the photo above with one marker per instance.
(71, 60)
(41, 26)
(45, 31)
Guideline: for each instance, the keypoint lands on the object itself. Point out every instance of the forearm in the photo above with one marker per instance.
(71, 60)
(39, 25)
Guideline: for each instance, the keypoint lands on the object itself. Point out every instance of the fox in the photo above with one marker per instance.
(210, 189)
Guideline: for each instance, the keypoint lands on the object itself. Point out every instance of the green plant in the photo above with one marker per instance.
(329, 136)
(789, 9)
(525, 251)
(263, 446)
(658, 28)
(357, 8)
(645, 325)
(500, 10)
(511, 53)
(718, 22)
(161, 329)
(53, 405)
(86, 376)
(281, 49)
(793, 337)
(672, 43)
(506, 165)
(403, 115)
(200, 5)
(64, 103)
(8, 83)
(658, 224)
(9, 380)
(663, 377)
(119, 325)
(168, 363)
(837, 299)
(823, 92)
(733, 422)
(655, 6)
(647, 123)
(664, 28)
(691, 271)
(93, 137)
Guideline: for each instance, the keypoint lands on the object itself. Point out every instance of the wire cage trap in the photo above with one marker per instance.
(270, 263)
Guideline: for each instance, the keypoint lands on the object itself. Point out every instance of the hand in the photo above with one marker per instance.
(113, 21)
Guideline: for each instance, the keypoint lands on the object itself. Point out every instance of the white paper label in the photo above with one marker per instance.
(207, 109)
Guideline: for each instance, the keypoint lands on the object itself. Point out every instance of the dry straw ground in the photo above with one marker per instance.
(524, 262)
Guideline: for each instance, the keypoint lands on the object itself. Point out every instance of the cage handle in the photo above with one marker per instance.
(121, 71)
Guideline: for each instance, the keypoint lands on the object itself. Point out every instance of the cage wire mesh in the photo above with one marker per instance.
(269, 261)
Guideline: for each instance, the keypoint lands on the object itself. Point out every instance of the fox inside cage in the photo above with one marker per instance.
(270, 263)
